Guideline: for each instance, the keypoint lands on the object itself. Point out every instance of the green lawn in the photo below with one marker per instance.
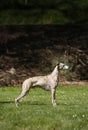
(35, 112)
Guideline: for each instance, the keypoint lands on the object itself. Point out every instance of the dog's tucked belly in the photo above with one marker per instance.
(48, 88)
(43, 86)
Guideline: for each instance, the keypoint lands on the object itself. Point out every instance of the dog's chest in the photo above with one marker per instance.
(52, 81)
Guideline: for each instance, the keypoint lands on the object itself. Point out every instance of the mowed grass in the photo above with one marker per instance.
(35, 112)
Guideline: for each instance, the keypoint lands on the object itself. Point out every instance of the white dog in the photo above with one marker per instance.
(48, 82)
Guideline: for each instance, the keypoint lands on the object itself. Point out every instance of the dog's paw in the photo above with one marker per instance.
(54, 104)
(16, 103)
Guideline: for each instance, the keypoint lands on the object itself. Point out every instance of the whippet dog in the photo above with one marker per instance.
(48, 82)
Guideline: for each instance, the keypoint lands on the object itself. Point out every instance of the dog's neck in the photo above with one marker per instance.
(55, 71)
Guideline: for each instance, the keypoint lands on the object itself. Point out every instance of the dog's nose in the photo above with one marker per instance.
(66, 67)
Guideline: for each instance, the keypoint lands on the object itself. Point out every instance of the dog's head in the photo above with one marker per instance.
(62, 66)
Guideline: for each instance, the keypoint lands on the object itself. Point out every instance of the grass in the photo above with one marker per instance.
(35, 112)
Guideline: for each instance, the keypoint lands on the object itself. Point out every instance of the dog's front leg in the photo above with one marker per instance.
(53, 90)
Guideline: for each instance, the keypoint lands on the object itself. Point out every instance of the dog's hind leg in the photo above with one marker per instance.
(23, 93)
(25, 89)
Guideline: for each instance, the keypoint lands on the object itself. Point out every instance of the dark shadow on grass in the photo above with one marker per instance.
(45, 104)
(35, 103)
(6, 102)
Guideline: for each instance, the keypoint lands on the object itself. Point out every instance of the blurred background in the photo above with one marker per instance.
(43, 12)
(36, 34)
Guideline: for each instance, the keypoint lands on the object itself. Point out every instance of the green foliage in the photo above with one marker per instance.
(44, 11)
(35, 112)
(36, 16)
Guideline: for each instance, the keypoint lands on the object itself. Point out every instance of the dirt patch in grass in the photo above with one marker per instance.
(72, 83)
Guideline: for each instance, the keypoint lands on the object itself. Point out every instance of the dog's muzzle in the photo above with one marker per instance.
(66, 67)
